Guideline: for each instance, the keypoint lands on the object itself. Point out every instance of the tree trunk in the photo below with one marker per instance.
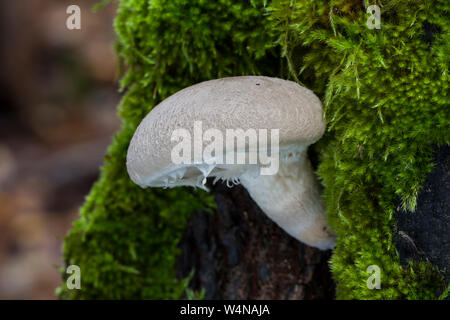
(239, 253)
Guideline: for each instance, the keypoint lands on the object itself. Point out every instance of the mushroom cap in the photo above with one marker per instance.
(246, 102)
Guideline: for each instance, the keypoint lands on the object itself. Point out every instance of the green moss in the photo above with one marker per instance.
(386, 98)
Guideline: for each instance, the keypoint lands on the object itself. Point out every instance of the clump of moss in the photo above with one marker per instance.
(386, 97)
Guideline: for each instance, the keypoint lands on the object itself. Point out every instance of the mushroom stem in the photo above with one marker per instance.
(292, 199)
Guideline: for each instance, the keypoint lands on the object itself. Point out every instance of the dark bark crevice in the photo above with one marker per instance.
(239, 253)
(425, 233)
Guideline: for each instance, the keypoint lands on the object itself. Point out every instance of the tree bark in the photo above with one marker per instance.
(239, 253)
(424, 235)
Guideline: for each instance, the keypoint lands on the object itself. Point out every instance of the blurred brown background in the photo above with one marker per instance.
(58, 98)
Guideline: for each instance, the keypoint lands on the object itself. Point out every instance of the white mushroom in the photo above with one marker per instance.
(289, 196)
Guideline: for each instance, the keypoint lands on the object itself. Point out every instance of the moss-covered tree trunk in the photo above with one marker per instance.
(385, 93)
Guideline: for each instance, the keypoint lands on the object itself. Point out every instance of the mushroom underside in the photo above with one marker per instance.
(291, 197)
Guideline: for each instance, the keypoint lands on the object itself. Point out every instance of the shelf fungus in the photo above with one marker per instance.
(220, 129)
